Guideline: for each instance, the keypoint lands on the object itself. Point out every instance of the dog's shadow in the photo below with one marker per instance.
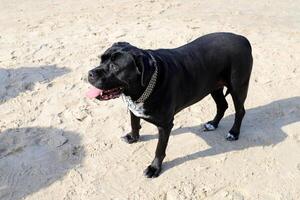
(17, 80)
(33, 158)
(262, 126)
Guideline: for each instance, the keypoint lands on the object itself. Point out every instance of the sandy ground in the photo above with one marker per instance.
(56, 144)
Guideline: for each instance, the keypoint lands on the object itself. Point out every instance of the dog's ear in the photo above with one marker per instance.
(142, 64)
(140, 59)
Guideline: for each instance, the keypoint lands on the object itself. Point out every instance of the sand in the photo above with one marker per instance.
(57, 144)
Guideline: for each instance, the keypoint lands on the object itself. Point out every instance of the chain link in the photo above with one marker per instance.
(151, 84)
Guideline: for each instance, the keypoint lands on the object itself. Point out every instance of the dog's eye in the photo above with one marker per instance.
(113, 67)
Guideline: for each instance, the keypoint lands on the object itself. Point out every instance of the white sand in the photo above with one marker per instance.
(56, 144)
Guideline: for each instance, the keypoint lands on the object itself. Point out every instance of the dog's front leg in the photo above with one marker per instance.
(154, 169)
(134, 135)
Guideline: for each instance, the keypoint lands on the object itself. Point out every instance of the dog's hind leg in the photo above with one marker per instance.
(134, 135)
(222, 105)
(239, 82)
(238, 97)
(239, 90)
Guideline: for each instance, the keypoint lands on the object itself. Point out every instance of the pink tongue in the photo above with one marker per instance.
(93, 93)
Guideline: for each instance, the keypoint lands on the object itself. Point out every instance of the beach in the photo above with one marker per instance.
(57, 144)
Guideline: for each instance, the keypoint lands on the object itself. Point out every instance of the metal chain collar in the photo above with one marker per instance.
(151, 84)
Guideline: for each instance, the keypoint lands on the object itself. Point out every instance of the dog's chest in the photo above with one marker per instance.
(137, 109)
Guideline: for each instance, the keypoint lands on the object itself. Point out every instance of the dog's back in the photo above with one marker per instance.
(206, 64)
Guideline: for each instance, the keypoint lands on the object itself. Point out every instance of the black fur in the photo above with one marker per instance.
(185, 75)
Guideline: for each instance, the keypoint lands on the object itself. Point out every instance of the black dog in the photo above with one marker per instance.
(157, 84)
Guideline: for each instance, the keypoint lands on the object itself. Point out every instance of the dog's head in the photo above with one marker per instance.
(123, 69)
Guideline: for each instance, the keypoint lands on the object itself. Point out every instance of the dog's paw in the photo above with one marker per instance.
(209, 126)
(231, 137)
(152, 171)
(129, 139)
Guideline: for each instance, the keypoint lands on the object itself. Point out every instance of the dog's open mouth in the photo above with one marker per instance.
(104, 94)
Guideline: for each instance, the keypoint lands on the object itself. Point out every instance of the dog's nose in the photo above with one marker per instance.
(91, 75)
